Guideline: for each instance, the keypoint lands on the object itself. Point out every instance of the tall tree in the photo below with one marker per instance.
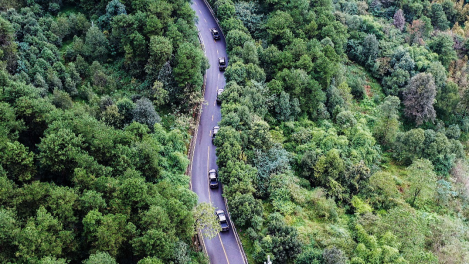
(419, 97)
(144, 113)
(160, 50)
(388, 124)
(422, 181)
(438, 17)
(189, 66)
(96, 44)
(399, 19)
(206, 221)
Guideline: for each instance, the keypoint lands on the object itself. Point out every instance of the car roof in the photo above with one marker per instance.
(221, 215)
(212, 174)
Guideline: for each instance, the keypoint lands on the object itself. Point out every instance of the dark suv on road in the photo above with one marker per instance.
(223, 220)
(222, 63)
(219, 92)
(215, 34)
(215, 131)
(213, 178)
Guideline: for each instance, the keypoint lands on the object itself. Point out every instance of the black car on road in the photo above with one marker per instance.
(222, 63)
(215, 131)
(219, 92)
(215, 33)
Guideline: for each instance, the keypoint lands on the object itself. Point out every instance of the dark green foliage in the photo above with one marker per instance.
(189, 65)
(285, 243)
(438, 17)
(75, 182)
(144, 113)
(300, 159)
(442, 44)
(96, 45)
(100, 257)
(8, 47)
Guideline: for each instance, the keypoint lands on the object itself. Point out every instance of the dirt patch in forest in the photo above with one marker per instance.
(368, 91)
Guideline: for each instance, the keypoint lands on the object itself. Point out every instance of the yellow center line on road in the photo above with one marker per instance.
(210, 133)
(205, 20)
(212, 117)
(221, 242)
(214, 103)
(200, 11)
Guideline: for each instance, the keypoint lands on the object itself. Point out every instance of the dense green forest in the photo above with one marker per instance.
(95, 106)
(343, 138)
(344, 127)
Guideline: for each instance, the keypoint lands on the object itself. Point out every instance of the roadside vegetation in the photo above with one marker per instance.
(96, 99)
(343, 140)
(343, 132)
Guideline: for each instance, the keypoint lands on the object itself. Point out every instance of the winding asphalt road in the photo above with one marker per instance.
(224, 248)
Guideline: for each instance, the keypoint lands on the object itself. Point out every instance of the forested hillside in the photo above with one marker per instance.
(343, 140)
(96, 100)
(344, 129)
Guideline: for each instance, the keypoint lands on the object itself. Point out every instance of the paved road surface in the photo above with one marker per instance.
(223, 249)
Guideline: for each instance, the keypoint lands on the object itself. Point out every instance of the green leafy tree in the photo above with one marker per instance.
(100, 257)
(8, 46)
(225, 9)
(387, 126)
(422, 181)
(279, 26)
(447, 99)
(206, 221)
(17, 161)
(443, 44)
(96, 44)
(438, 17)
(59, 151)
(144, 113)
(285, 243)
(43, 236)
(160, 49)
(244, 207)
(189, 66)
(8, 228)
(105, 232)
(370, 49)
(250, 53)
